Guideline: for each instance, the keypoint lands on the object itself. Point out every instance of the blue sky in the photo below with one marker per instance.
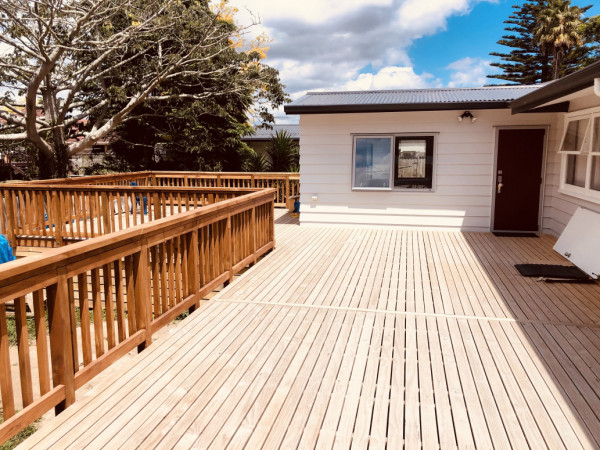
(474, 34)
(379, 44)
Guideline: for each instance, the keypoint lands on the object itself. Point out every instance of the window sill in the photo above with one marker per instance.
(395, 190)
(581, 193)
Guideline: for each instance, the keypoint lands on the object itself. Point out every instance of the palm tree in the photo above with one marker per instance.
(559, 29)
(284, 153)
(256, 162)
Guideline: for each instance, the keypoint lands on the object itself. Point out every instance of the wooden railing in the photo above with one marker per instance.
(120, 288)
(113, 179)
(286, 184)
(51, 216)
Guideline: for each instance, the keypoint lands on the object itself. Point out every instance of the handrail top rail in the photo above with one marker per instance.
(20, 270)
(161, 174)
(107, 188)
(119, 175)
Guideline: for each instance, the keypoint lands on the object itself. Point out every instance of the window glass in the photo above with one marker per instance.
(595, 181)
(414, 162)
(575, 135)
(412, 158)
(372, 162)
(596, 142)
(576, 170)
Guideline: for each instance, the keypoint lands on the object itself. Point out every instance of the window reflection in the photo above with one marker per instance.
(372, 162)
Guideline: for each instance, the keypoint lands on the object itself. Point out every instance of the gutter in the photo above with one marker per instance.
(394, 107)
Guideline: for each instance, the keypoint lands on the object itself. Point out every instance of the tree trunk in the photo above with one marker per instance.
(556, 64)
(546, 69)
(46, 166)
(62, 160)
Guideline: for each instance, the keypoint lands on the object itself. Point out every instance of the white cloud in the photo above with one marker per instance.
(422, 17)
(311, 11)
(327, 45)
(469, 72)
(392, 77)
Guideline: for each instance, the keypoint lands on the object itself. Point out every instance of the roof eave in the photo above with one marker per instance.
(397, 107)
(570, 84)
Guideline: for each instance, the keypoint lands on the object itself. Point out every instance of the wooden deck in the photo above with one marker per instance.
(349, 337)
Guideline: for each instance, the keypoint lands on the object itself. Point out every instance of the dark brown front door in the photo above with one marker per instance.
(518, 179)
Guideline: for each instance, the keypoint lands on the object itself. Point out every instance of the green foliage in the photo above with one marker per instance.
(559, 28)
(284, 154)
(200, 120)
(168, 72)
(256, 162)
(531, 58)
(524, 64)
(19, 437)
(12, 329)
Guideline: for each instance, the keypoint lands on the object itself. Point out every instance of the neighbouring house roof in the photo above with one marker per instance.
(554, 90)
(265, 134)
(489, 97)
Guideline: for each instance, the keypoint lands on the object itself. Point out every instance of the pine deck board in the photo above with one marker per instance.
(350, 337)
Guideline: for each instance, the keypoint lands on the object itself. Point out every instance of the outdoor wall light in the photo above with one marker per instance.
(467, 114)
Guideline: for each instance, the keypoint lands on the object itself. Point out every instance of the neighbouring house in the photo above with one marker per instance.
(501, 158)
(90, 156)
(260, 141)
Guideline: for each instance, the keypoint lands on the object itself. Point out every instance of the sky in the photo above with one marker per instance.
(340, 45)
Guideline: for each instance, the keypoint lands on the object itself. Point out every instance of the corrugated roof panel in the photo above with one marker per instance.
(441, 96)
(267, 133)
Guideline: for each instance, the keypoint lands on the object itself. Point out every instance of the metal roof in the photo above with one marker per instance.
(554, 90)
(265, 134)
(489, 97)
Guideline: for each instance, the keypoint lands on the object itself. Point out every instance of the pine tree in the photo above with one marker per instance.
(525, 63)
(528, 62)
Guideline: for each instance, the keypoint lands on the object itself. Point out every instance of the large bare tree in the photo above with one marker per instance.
(62, 61)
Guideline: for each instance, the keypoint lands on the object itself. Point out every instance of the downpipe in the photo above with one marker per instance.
(597, 86)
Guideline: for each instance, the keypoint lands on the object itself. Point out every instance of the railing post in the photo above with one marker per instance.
(253, 234)
(229, 248)
(56, 221)
(61, 341)
(272, 223)
(143, 310)
(6, 385)
(253, 181)
(105, 213)
(287, 190)
(193, 267)
(11, 224)
(157, 207)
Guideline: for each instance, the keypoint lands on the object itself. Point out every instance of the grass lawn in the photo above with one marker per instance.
(20, 437)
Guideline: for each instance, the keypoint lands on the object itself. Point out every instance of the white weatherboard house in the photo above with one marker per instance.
(513, 158)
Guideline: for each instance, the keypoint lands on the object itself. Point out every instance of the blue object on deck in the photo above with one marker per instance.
(6, 254)
(137, 200)
(297, 206)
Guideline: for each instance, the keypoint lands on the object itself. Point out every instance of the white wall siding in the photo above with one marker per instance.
(464, 164)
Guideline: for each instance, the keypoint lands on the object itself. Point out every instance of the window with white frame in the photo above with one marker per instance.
(393, 162)
(580, 150)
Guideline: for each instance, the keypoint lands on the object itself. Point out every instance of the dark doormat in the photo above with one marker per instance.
(553, 271)
(511, 234)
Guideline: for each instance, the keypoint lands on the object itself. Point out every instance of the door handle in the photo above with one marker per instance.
(500, 185)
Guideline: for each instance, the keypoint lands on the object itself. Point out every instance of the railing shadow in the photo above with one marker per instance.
(552, 343)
